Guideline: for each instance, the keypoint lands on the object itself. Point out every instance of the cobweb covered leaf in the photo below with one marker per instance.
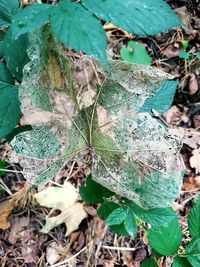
(132, 154)
(143, 165)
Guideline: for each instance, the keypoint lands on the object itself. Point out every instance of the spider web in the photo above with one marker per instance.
(133, 155)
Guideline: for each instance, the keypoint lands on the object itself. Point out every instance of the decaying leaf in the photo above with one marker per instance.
(63, 199)
(195, 160)
(132, 153)
(6, 208)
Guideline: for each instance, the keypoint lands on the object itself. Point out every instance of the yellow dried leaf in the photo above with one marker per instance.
(64, 199)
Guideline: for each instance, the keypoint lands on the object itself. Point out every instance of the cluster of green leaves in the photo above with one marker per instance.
(159, 224)
(76, 25)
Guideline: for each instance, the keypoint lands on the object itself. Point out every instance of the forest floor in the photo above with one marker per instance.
(93, 244)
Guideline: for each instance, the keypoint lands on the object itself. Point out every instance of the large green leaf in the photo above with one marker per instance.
(166, 239)
(7, 9)
(9, 108)
(193, 252)
(180, 262)
(106, 208)
(156, 217)
(93, 192)
(194, 220)
(5, 75)
(77, 28)
(162, 101)
(149, 263)
(15, 54)
(138, 17)
(29, 19)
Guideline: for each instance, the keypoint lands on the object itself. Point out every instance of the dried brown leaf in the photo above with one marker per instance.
(65, 200)
(6, 208)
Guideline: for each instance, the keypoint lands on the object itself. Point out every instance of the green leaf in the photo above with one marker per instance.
(149, 262)
(135, 53)
(29, 19)
(193, 252)
(93, 192)
(198, 55)
(77, 28)
(183, 54)
(38, 143)
(185, 44)
(15, 54)
(9, 108)
(180, 262)
(156, 216)
(194, 220)
(117, 216)
(130, 224)
(166, 239)
(120, 215)
(2, 35)
(106, 208)
(162, 101)
(2, 166)
(7, 9)
(5, 75)
(138, 17)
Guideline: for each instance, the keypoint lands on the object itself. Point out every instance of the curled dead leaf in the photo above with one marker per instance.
(65, 200)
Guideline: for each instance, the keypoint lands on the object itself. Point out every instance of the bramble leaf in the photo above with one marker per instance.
(162, 100)
(193, 252)
(5, 75)
(166, 239)
(180, 262)
(9, 108)
(29, 19)
(149, 262)
(137, 17)
(7, 9)
(106, 208)
(194, 220)
(78, 29)
(93, 192)
(156, 217)
(15, 54)
(117, 216)
(130, 224)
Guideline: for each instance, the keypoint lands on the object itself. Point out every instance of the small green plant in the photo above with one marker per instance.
(183, 53)
(135, 53)
(160, 225)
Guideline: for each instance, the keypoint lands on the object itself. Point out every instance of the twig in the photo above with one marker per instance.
(119, 248)
(68, 260)
(4, 186)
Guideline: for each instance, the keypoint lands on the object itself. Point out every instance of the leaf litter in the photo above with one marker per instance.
(109, 237)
